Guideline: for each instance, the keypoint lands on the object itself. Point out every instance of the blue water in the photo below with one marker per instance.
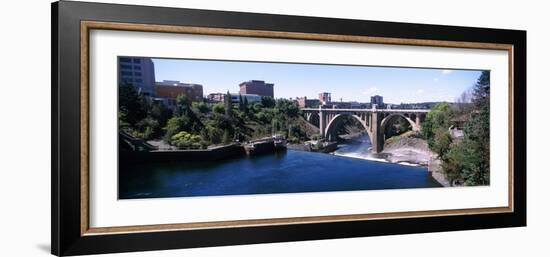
(284, 172)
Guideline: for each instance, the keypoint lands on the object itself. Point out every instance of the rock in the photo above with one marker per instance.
(409, 148)
(434, 167)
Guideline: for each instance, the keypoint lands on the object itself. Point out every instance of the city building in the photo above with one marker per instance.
(235, 98)
(355, 105)
(171, 89)
(324, 98)
(256, 87)
(391, 106)
(215, 97)
(250, 98)
(303, 102)
(378, 100)
(346, 105)
(137, 71)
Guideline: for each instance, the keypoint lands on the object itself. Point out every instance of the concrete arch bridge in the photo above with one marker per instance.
(374, 121)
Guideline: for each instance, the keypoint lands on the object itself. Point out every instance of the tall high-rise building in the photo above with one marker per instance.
(256, 87)
(378, 100)
(137, 71)
(325, 98)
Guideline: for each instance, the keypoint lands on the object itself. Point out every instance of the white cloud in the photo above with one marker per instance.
(370, 91)
(420, 91)
(436, 79)
(445, 72)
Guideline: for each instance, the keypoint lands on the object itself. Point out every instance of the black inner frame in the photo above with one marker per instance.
(65, 166)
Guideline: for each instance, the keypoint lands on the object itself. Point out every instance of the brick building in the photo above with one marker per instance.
(256, 87)
(303, 102)
(169, 90)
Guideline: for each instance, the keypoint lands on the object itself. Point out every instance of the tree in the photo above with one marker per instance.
(212, 131)
(161, 113)
(240, 101)
(183, 105)
(441, 141)
(228, 104)
(437, 120)
(287, 107)
(257, 107)
(174, 126)
(184, 117)
(482, 90)
(213, 123)
(245, 105)
(468, 160)
(149, 126)
(464, 101)
(218, 108)
(268, 102)
(477, 131)
(131, 104)
(201, 107)
(180, 123)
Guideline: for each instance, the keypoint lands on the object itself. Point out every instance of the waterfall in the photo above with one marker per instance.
(360, 148)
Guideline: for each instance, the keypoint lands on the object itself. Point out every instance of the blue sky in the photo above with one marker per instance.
(350, 83)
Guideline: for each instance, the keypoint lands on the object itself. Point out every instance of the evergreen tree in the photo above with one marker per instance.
(228, 104)
(245, 105)
(183, 105)
(482, 90)
(469, 159)
(132, 106)
(477, 130)
(240, 102)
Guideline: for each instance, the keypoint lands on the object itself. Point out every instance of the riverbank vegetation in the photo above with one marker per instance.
(194, 125)
(465, 160)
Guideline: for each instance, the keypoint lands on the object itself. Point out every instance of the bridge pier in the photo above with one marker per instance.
(322, 122)
(377, 133)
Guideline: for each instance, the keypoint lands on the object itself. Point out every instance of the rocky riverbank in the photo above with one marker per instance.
(410, 149)
(407, 148)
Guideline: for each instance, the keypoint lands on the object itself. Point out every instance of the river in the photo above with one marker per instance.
(290, 171)
(359, 148)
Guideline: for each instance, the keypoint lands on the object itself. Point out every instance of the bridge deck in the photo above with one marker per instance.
(368, 110)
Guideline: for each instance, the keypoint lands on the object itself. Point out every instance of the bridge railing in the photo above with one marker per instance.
(367, 110)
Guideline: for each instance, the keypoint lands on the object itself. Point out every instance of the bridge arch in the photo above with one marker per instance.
(313, 118)
(336, 121)
(388, 119)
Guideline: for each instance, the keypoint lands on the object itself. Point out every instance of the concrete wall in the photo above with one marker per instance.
(214, 154)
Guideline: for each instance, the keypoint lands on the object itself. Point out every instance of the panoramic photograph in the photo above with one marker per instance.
(189, 127)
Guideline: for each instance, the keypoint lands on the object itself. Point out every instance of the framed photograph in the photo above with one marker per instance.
(178, 128)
